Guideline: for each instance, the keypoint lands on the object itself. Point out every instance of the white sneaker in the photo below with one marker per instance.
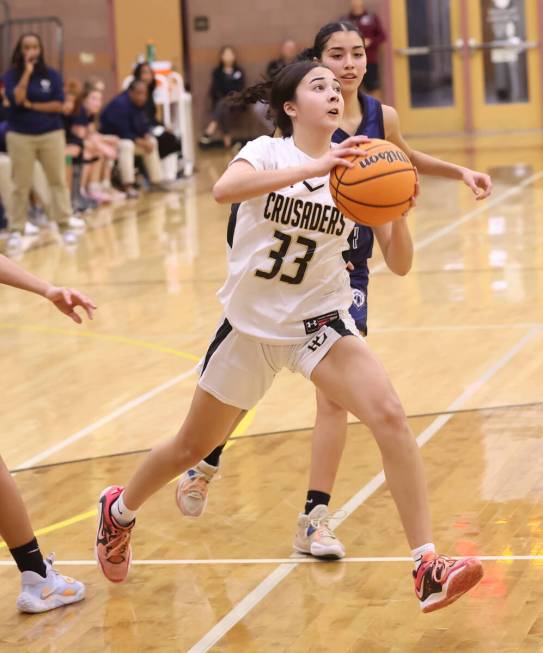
(31, 229)
(70, 237)
(14, 243)
(76, 223)
(315, 536)
(192, 487)
(40, 594)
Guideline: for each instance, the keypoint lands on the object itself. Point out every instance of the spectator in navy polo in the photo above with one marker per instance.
(35, 133)
(126, 117)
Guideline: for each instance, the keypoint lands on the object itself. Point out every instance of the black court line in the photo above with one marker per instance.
(135, 452)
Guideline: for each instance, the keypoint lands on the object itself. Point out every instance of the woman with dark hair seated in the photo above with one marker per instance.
(168, 143)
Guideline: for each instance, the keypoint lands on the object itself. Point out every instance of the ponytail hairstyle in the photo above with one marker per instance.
(323, 36)
(275, 92)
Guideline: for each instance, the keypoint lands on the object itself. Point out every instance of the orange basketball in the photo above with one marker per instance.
(379, 187)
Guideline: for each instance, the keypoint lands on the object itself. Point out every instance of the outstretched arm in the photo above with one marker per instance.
(479, 182)
(65, 299)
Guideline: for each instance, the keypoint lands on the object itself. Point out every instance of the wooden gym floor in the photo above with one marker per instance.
(462, 339)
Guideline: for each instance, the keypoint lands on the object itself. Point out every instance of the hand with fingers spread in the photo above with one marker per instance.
(67, 299)
(479, 182)
(337, 156)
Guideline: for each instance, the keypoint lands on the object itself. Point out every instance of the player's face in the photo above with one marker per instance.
(345, 55)
(31, 49)
(318, 100)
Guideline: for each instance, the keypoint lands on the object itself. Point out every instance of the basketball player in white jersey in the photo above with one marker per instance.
(43, 588)
(340, 46)
(286, 301)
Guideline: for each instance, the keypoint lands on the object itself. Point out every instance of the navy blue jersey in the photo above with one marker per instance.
(361, 238)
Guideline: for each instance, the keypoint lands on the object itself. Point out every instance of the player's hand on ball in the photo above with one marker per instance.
(66, 300)
(413, 201)
(337, 156)
(479, 182)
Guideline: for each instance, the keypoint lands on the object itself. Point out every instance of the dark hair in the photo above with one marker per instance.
(323, 36)
(138, 70)
(278, 91)
(17, 59)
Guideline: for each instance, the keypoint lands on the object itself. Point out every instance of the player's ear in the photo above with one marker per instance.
(290, 109)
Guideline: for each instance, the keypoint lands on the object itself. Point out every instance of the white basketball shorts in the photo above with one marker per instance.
(238, 370)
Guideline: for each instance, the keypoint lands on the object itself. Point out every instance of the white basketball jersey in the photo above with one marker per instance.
(286, 272)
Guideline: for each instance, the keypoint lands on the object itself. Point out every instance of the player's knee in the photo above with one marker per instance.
(389, 418)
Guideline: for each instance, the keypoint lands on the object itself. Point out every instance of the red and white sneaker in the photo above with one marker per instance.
(439, 580)
(112, 548)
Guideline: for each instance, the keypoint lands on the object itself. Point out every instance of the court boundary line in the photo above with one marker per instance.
(272, 580)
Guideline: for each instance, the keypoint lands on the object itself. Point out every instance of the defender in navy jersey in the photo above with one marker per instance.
(361, 238)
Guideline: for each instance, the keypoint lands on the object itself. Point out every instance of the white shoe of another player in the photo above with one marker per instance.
(192, 488)
(315, 536)
(40, 594)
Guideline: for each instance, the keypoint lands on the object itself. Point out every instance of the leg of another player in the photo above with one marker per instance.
(15, 526)
(313, 535)
(207, 424)
(329, 437)
(36, 573)
(193, 486)
(438, 580)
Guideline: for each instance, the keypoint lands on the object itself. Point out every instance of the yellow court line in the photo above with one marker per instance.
(82, 516)
(62, 524)
(104, 337)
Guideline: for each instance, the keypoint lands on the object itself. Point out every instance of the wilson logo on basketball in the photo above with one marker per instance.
(390, 156)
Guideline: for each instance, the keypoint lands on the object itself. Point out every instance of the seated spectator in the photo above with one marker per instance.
(35, 95)
(93, 154)
(227, 77)
(103, 146)
(287, 54)
(94, 83)
(369, 25)
(74, 145)
(169, 146)
(125, 117)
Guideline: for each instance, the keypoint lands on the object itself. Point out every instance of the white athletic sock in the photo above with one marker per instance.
(420, 551)
(120, 513)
